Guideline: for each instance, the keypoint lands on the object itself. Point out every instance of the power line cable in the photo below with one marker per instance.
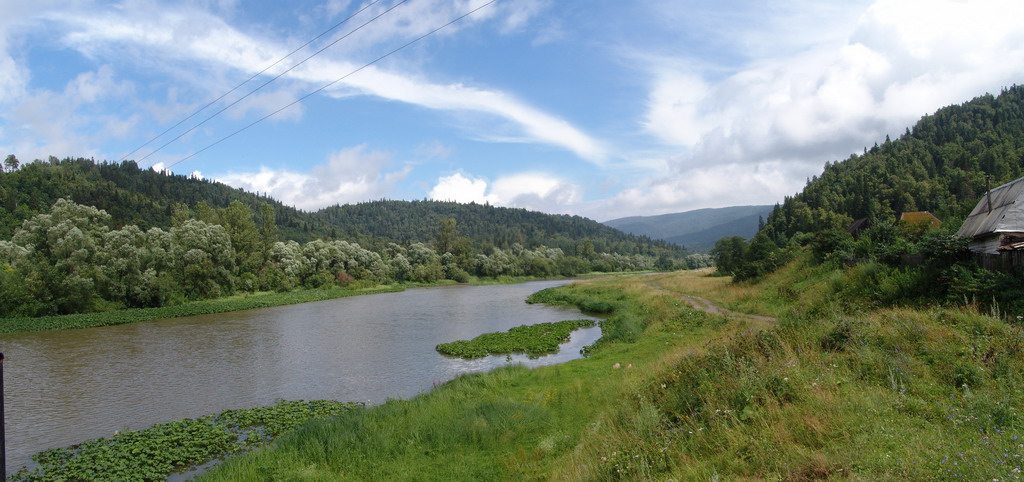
(300, 99)
(246, 81)
(278, 76)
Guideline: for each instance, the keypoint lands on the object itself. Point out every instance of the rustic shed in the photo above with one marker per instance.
(920, 217)
(997, 222)
(858, 226)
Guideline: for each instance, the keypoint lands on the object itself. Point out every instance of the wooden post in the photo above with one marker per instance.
(3, 426)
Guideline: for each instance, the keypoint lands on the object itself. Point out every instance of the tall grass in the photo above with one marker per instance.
(510, 424)
(834, 390)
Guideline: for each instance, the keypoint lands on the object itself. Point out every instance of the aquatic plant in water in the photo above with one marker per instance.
(534, 340)
(166, 448)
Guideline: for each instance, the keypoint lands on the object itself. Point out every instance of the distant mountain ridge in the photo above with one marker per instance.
(697, 230)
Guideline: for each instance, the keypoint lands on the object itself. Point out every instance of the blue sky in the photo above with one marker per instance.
(599, 108)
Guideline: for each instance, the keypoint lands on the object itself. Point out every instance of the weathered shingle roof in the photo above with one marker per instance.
(1007, 212)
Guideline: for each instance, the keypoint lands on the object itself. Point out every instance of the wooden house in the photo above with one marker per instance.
(997, 223)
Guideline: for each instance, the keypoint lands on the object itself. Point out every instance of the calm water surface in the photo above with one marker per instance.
(69, 386)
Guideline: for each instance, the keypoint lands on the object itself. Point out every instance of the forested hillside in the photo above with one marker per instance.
(488, 226)
(145, 198)
(80, 236)
(132, 196)
(941, 165)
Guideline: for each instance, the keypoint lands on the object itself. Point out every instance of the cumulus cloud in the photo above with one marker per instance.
(461, 189)
(40, 123)
(351, 175)
(533, 191)
(755, 134)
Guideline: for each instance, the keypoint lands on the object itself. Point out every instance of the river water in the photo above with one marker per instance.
(65, 387)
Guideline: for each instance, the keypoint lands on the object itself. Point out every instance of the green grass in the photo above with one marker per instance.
(513, 423)
(831, 391)
(533, 340)
(220, 305)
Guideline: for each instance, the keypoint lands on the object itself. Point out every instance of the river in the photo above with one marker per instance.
(64, 387)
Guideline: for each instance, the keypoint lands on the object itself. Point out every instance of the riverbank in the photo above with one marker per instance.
(826, 391)
(512, 423)
(205, 307)
(245, 301)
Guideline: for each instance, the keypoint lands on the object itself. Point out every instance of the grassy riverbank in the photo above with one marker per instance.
(831, 390)
(205, 307)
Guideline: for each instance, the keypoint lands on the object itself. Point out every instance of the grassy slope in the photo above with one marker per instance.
(832, 391)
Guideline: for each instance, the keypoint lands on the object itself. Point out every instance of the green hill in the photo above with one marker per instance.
(697, 230)
(942, 165)
(78, 236)
(145, 198)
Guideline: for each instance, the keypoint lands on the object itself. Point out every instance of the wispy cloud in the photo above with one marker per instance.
(149, 32)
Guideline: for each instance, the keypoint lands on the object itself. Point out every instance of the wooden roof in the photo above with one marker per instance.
(920, 217)
(1006, 214)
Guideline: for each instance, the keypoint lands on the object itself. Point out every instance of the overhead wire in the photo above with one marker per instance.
(246, 81)
(328, 85)
(289, 69)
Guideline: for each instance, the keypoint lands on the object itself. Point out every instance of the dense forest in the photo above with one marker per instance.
(943, 164)
(116, 236)
(147, 199)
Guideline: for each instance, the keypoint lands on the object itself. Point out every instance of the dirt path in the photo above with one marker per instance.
(703, 304)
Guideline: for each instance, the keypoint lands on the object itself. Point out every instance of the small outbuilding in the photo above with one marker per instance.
(920, 217)
(997, 223)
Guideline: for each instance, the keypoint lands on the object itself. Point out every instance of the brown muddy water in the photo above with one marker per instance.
(64, 387)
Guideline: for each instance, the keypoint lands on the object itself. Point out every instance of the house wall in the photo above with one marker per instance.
(990, 244)
(1006, 261)
(987, 244)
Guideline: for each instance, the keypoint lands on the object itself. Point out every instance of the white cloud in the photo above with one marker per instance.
(755, 134)
(351, 175)
(166, 38)
(460, 188)
(41, 123)
(89, 87)
(533, 191)
(434, 150)
(533, 124)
